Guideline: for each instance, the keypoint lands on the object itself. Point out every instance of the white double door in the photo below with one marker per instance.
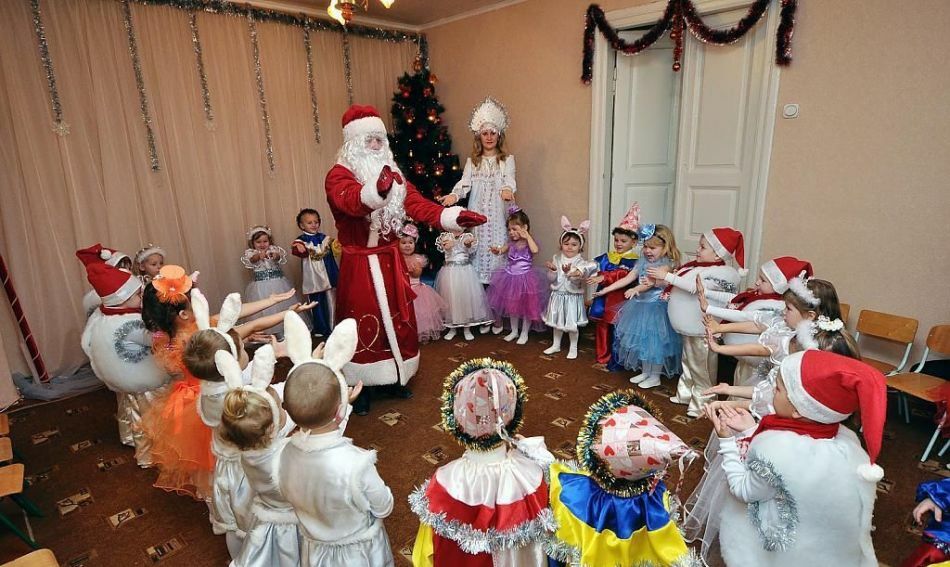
(688, 146)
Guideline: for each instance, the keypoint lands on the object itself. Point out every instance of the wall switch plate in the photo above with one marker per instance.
(790, 111)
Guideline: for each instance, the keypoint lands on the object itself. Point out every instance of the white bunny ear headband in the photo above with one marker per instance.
(579, 232)
(262, 372)
(799, 287)
(339, 350)
(230, 313)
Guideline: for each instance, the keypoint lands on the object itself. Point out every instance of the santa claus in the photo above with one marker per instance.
(370, 199)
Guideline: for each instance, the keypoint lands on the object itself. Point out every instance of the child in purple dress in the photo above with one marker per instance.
(518, 291)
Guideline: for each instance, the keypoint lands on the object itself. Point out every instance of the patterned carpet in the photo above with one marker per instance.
(71, 451)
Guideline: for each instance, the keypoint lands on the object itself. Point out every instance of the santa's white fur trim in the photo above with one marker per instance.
(363, 126)
(381, 372)
(449, 218)
(870, 472)
(775, 276)
(804, 403)
(125, 291)
(382, 299)
(370, 196)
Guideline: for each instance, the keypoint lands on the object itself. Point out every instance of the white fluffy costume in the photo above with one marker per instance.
(120, 353)
(333, 485)
(786, 514)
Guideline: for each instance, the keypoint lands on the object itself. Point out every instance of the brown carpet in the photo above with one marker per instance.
(408, 440)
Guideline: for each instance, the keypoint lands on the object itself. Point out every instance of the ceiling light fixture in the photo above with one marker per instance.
(342, 10)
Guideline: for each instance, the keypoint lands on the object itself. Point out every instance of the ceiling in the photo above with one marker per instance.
(410, 13)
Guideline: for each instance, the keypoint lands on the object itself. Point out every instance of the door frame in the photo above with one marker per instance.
(602, 117)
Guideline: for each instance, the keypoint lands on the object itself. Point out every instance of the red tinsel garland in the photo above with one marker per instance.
(680, 15)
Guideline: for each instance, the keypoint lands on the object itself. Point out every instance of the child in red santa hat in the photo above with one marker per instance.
(99, 254)
(784, 513)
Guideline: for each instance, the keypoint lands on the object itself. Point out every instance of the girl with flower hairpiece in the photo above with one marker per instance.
(457, 283)
(182, 442)
(488, 180)
(265, 258)
(518, 290)
(428, 304)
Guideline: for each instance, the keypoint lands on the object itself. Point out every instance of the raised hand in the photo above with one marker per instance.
(448, 200)
(925, 506)
(354, 391)
(549, 265)
(658, 273)
(386, 179)
(736, 419)
(721, 388)
(711, 341)
(301, 307)
(507, 195)
(276, 298)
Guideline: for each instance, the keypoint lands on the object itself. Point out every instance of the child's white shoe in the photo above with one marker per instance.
(677, 400)
(651, 382)
(552, 349)
(484, 329)
(572, 353)
(523, 339)
(497, 330)
(468, 334)
(511, 336)
(638, 378)
(450, 335)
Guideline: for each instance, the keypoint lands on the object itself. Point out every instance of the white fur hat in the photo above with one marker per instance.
(489, 112)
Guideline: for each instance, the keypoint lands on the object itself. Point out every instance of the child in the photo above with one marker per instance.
(612, 506)
(614, 265)
(765, 295)
(644, 337)
(488, 180)
(97, 254)
(253, 422)
(784, 513)
(119, 350)
(318, 267)
(518, 291)
(568, 272)
(428, 304)
(265, 259)
(332, 484)
(699, 363)
(148, 262)
(933, 497)
(488, 507)
(457, 284)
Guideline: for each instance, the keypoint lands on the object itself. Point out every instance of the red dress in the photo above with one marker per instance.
(374, 284)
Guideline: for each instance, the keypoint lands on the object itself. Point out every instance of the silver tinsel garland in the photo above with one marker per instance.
(473, 541)
(314, 107)
(261, 97)
(202, 76)
(59, 124)
(778, 538)
(140, 85)
(135, 352)
(347, 68)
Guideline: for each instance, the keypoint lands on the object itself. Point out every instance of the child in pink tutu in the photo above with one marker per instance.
(427, 304)
(518, 291)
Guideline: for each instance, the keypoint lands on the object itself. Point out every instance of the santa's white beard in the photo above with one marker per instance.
(366, 164)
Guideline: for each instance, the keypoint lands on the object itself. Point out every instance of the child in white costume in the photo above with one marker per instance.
(700, 363)
(488, 180)
(120, 352)
(457, 283)
(148, 262)
(96, 254)
(253, 422)
(333, 485)
(568, 273)
(782, 513)
(482, 407)
(265, 258)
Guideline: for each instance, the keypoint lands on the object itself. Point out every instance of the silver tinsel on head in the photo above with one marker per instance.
(202, 76)
(774, 537)
(261, 97)
(140, 85)
(59, 124)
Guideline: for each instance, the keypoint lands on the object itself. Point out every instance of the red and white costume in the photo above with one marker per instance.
(374, 287)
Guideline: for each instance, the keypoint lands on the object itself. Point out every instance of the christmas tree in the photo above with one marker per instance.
(422, 147)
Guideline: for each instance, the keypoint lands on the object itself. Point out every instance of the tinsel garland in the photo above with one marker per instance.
(261, 96)
(782, 537)
(450, 424)
(202, 76)
(59, 123)
(314, 107)
(587, 437)
(680, 15)
(140, 85)
(347, 68)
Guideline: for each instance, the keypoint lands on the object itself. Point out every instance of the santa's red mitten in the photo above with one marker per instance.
(385, 181)
(468, 219)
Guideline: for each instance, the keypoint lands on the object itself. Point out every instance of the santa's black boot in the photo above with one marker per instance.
(361, 403)
(398, 391)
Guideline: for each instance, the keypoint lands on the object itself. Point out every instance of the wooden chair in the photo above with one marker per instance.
(11, 484)
(6, 449)
(845, 312)
(891, 328)
(4, 424)
(923, 386)
(39, 558)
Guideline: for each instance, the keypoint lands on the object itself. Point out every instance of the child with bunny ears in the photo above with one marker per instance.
(568, 273)
(253, 422)
(332, 484)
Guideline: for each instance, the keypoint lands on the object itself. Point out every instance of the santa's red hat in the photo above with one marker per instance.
(359, 120)
(112, 285)
(97, 254)
(827, 388)
(728, 243)
(780, 271)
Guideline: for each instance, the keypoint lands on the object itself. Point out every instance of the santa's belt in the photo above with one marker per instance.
(389, 249)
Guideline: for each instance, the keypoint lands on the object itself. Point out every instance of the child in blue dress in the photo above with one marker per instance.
(644, 337)
(318, 269)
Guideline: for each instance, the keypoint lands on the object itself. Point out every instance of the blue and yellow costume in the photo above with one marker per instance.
(612, 266)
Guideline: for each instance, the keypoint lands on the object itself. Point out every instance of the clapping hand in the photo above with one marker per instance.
(507, 195)
(736, 419)
(711, 341)
(701, 293)
(549, 265)
(712, 412)
(658, 272)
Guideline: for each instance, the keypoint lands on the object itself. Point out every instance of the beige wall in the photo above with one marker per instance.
(858, 183)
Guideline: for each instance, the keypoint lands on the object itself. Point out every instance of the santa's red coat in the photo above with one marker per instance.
(374, 285)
